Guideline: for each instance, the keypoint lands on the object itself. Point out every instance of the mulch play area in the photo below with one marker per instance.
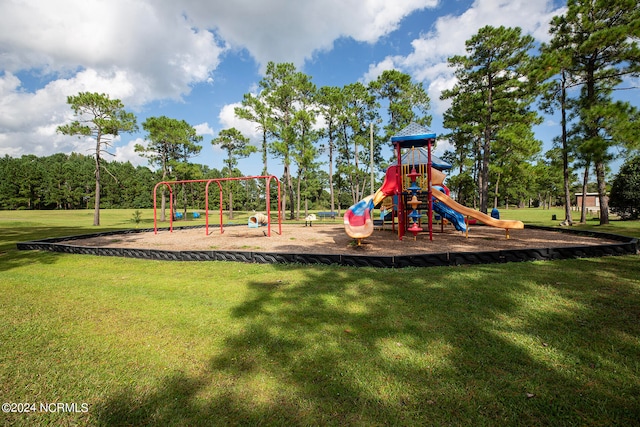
(329, 244)
(331, 239)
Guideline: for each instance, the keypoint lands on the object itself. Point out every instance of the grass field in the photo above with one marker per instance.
(135, 342)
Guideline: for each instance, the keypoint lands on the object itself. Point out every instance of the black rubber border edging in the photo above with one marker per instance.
(625, 246)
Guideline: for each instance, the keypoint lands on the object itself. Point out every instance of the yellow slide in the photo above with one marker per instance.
(484, 218)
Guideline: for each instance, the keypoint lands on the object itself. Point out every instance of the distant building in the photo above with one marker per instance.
(592, 201)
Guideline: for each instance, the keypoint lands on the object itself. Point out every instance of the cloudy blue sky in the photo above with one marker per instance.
(195, 59)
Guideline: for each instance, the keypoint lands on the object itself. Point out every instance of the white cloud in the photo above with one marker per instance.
(132, 41)
(132, 51)
(428, 60)
(375, 70)
(228, 119)
(127, 153)
(148, 50)
(31, 119)
(442, 146)
(174, 44)
(203, 129)
(291, 31)
(435, 88)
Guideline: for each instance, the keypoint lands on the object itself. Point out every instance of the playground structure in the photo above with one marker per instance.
(407, 183)
(258, 219)
(410, 177)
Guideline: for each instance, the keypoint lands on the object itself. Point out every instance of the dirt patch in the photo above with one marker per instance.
(331, 239)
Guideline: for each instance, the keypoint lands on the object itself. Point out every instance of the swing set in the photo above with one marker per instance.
(169, 185)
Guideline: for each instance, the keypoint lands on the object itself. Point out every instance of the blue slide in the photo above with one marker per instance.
(455, 218)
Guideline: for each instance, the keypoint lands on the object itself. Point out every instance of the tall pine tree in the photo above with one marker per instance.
(100, 118)
(493, 82)
(601, 39)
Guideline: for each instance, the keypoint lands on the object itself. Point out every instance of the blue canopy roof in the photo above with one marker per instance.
(414, 135)
(420, 156)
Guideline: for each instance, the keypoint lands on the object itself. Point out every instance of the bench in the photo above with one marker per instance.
(179, 215)
(308, 220)
(323, 215)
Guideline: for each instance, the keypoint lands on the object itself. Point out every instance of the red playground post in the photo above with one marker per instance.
(218, 181)
(411, 137)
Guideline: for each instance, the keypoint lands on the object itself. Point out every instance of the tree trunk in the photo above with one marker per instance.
(288, 194)
(476, 175)
(484, 189)
(230, 202)
(264, 151)
(602, 193)
(565, 153)
(357, 197)
(298, 185)
(184, 201)
(96, 211)
(163, 205)
(291, 196)
(331, 174)
(585, 181)
(352, 184)
(495, 198)
(486, 149)
(567, 198)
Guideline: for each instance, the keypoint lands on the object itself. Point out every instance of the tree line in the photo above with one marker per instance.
(593, 47)
(504, 83)
(67, 181)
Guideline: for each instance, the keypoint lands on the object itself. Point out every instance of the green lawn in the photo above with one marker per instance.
(219, 343)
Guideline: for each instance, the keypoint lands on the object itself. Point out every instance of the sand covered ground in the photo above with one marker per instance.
(331, 239)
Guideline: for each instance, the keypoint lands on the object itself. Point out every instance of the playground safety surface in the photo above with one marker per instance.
(328, 244)
(331, 239)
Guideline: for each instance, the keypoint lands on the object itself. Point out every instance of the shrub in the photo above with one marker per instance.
(625, 192)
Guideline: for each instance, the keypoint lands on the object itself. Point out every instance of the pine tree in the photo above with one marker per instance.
(625, 190)
(102, 119)
(237, 146)
(495, 90)
(601, 39)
